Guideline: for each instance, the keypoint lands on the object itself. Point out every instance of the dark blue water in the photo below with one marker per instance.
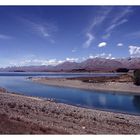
(58, 74)
(90, 99)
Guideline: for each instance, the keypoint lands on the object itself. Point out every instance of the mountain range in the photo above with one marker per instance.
(95, 64)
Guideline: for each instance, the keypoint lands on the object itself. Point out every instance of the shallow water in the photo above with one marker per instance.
(18, 82)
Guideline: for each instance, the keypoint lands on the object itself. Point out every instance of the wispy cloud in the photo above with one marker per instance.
(114, 25)
(44, 30)
(96, 22)
(89, 40)
(110, 29)
(99, 18)
(124, 11)
(41, 29)
(3, 36)
(74, 50)
(102, 44)
(135, 34)
(118, 20)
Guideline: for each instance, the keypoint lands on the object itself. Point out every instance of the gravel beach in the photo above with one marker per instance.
(126, 87)
(26, 115)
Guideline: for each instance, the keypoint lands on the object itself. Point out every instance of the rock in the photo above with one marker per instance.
(3, 90)
(83, 127)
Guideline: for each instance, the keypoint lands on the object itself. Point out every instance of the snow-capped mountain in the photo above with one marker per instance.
(94, 64)
(101, 64)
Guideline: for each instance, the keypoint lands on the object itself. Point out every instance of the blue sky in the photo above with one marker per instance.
(49, 35)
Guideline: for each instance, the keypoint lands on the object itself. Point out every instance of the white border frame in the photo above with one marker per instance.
(70, 2)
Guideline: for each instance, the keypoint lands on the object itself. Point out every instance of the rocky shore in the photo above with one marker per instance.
(26, 115)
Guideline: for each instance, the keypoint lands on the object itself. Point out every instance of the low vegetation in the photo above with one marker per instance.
(137, 77)
(103, 79)
(122, 70)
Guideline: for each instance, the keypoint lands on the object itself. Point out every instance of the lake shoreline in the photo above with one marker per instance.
(30, 115)
(116, 87)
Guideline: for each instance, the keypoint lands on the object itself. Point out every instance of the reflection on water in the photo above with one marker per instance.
(57, 74)
(136, 102)
(102, 100)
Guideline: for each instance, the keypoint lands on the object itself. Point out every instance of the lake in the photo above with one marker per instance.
(110, 101)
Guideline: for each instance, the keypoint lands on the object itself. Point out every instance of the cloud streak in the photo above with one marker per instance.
(89, 40)
(135, 34)
(100, 18)
(118, 20)
(5, 37)
(74, 50)
(114, 25)
(44, 30)
(123, 13)
(96, 22)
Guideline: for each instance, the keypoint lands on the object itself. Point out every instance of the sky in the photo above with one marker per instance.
(49, 35)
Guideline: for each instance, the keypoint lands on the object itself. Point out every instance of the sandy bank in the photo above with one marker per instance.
(125, 87)
(23, 115)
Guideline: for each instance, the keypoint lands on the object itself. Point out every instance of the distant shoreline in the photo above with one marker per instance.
(117, 87)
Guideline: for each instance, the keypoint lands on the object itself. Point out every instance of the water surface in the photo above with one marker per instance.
(18, 82)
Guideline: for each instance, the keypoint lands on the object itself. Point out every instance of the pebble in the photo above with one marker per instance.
(83, 127)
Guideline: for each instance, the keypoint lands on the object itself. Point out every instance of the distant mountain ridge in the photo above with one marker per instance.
(95, 64)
